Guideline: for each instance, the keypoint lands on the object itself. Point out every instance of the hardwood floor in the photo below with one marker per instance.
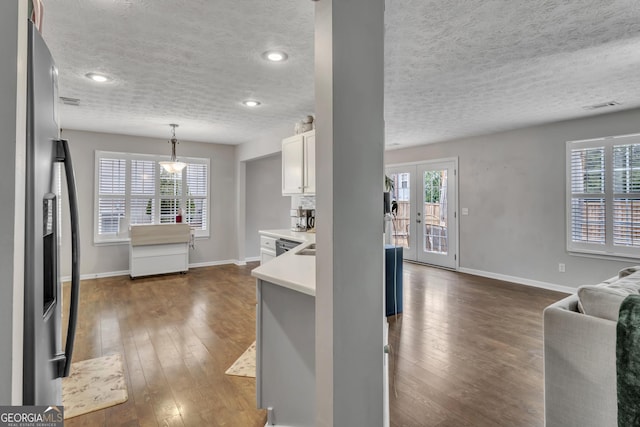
(467, 350)
(178, 335)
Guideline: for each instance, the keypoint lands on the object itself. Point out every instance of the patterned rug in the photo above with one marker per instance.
(245, 366)
(94, 384)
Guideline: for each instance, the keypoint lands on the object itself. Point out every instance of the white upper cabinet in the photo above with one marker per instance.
(309, 184)
(298, 164)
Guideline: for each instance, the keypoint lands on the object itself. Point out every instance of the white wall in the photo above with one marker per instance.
(101, 259)
(266, 207)
(268, 144)
(513, 184)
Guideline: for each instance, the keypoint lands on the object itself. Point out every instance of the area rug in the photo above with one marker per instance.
(94, 384)
(245, 366)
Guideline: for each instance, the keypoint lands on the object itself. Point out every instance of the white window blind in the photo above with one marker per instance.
(603, 196)
(196, 207)
(111, 195)
(626, 195)
(587, 195)
(135, 189)
(143, 190)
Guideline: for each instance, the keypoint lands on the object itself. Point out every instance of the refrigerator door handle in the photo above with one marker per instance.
(64, 155)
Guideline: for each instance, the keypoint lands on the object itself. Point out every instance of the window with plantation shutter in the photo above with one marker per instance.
(111, 195)
(135, 189)
(603, 196)
(143, 191)
(195, 211)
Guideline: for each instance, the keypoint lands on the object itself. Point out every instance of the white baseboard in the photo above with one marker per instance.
(211, 263)
(97, 275)
(519, 280)
(126, 272)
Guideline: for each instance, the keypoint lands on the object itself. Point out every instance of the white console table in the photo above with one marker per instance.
(159, 249)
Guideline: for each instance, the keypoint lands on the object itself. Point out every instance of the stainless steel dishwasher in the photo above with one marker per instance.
(284, 245)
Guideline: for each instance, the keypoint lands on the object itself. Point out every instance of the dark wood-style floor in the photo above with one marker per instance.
(178, 334)
(467, 350)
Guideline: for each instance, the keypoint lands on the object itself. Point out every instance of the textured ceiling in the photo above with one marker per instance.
(453, 68)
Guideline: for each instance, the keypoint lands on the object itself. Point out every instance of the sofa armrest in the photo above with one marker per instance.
(579, 367)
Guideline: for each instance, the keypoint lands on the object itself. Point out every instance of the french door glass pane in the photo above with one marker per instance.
(435, 212)
(401, 208)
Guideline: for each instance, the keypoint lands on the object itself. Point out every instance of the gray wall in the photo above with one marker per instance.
(8, 88)
(349, 87)
(266, 207)
(513, 184)
(96, 259)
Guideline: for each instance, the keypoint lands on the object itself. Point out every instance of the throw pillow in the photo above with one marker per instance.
(604, 300)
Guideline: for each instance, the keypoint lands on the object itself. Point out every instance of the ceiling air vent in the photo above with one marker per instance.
(602, 105)
(70, 101)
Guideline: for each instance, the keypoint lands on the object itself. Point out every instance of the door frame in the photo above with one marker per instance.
(411, 252)
(456, 216)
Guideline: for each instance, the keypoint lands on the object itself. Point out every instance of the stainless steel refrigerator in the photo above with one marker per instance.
(45, 360)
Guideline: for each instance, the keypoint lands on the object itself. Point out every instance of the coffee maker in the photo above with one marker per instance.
(303, 219)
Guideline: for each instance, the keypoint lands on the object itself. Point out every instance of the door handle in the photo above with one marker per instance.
(64, 155)
(418, 221)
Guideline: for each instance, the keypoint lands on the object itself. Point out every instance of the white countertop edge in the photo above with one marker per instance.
(294, 286)
(298, 236)
(295, 272)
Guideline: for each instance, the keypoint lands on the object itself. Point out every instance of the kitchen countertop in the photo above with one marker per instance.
(295, 272)
(298, 236)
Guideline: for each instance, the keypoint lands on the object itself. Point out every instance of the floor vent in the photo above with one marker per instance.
(70, 101)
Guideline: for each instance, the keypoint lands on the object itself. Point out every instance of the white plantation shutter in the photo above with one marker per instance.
(111, 195)
(170, 195)
(195, 211)
(587, 195)
(603, 196)
(626, 195)
(143, 191)
(135, 189)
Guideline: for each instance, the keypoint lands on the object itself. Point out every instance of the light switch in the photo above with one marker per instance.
(465, 211)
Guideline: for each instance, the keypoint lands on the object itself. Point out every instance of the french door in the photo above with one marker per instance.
(424, 210)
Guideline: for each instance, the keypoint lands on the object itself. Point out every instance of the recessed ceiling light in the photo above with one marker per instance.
(251, 103)
(275, 56)
(96, 77)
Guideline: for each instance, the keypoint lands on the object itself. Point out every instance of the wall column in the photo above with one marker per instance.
(349, 87)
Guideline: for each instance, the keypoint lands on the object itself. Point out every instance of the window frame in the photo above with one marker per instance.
(123, 235)
(608, 249)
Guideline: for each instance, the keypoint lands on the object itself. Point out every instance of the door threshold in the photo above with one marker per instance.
(431, 265)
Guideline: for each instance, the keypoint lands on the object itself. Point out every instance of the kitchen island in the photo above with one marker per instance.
(285, 333)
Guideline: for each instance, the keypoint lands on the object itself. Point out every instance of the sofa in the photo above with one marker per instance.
(580, 353)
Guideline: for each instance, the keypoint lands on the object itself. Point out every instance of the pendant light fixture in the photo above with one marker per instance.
(173, 166)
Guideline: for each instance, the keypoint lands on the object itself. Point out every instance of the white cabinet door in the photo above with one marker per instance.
(266, 255)
(310, 163)
(292, 165)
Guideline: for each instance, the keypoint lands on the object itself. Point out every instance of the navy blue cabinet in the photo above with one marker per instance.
(393, 279)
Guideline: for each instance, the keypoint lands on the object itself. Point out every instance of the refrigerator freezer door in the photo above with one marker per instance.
(42, 293)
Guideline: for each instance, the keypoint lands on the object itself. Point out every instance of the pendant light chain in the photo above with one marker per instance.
(173, 166)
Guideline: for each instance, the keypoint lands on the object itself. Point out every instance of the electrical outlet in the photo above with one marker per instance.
(465, 211)
(561, 268)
